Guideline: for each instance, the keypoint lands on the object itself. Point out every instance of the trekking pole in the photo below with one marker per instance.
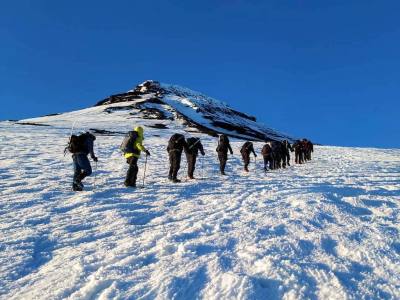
(202, 168)
(186, 170)
(70, 137)
(95, 174)
(144, 172)
(72, 128)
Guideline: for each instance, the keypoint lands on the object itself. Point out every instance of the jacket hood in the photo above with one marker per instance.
(139, 130)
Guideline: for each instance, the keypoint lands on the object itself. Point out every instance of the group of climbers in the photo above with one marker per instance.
(302, 150)
(176, 145)
(276, 154)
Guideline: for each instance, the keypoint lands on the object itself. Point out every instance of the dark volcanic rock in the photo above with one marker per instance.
(156, 101)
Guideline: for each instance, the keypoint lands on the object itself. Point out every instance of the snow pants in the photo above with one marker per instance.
(82, 167)
(299, 157)
(174, 163)
(131, 174)
(191, 159)
(286, 159)
(223, 158)
(246, 160)
(268, 162)
(277, 157)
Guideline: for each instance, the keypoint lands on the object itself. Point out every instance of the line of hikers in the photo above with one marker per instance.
(276, 154)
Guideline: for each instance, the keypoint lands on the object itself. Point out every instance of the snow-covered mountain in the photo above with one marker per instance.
(164, 106)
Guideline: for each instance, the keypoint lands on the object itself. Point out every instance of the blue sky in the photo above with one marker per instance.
(326, 70)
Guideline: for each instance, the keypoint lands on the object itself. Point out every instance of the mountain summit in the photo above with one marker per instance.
(165, 106)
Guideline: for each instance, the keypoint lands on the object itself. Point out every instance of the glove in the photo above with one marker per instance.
(147, 152)
(95, 159)
(255, 155)
(203, 154)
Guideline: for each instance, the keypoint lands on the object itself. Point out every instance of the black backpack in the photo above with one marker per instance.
(266, 150)
(128, 144)
(77, 143)
(175, 140)
(246, 147)
(192, 142)
(193, 145)
(223, 143)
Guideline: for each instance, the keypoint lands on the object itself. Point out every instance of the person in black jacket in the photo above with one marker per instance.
(222, 149)
(268, 157)
(308, 148)
(298, 147)
(287, 148)
(194, 146)
(82, 167)
(246, 149)
(175, 147)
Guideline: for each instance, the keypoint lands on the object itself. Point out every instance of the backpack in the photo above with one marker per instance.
(246, 147)
(77, 143)
(223, 143)
(275, 146)
(266, 150)
(128, 144)
(193, 144)
(174, 141)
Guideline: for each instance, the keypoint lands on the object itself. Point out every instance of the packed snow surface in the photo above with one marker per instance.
(328, 229)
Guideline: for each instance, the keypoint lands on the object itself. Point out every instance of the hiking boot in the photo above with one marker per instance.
(76, 187)
(127, 184)
(78, 184)
(175, 180)
(223, 173)
(191, 177)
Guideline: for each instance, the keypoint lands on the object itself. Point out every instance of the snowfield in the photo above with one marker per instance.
(328, 229)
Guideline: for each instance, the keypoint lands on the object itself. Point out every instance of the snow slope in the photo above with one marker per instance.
(328, 229)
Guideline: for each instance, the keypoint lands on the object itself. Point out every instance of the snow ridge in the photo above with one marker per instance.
(171, 106)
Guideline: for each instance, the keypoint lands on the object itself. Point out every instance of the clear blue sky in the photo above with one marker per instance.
(326, 70)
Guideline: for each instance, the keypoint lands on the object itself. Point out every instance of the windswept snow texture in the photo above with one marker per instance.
(216, 115)
(170, 104)
(328, 229)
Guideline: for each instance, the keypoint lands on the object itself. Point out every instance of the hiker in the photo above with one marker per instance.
(276, 148)
(287, 148)
(194, 146)
(267, 154)
(132, 146)
(246, 149)
(175, 147)
(298, 152)
(222, 149)
(309, 148)
(81, 146)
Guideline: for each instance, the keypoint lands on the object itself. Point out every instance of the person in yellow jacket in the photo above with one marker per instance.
(134, 146)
